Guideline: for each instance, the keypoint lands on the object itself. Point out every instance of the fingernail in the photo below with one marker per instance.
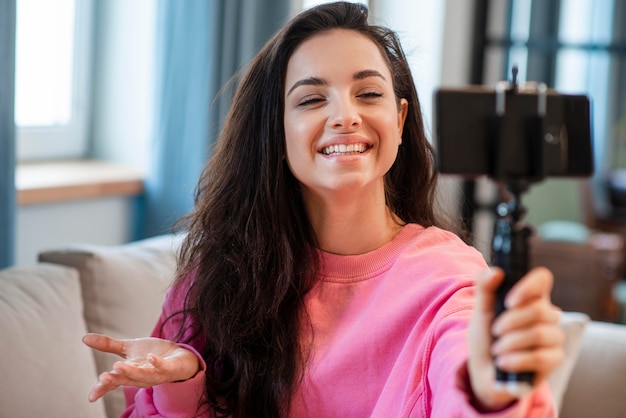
(485, 274)
(510, 302)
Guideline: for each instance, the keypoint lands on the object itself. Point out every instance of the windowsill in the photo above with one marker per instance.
(62, 181)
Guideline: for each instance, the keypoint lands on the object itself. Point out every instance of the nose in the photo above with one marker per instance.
(345, 114)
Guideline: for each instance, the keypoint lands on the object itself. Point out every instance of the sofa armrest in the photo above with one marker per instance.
(596, 386)
(573, 325)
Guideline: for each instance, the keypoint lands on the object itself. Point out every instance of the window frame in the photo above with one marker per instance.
(70, 140)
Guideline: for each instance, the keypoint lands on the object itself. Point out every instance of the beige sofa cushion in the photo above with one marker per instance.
(46, 370)
(123, 290)
(597, 386)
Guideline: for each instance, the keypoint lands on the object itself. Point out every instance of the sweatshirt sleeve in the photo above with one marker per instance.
(448, 378)
(171, 400)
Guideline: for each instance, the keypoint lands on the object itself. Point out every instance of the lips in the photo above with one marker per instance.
(345, 149)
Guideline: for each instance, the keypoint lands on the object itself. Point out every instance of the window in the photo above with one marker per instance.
(52, 107)
(568, 44)
(574, 46)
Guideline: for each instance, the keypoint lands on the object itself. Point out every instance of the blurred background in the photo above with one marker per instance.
(109, 109)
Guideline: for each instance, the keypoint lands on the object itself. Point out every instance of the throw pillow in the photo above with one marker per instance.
(123, 288)
(46, 370)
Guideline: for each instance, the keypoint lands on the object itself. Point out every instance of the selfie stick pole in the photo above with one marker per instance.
(510, 247)
(510, 252)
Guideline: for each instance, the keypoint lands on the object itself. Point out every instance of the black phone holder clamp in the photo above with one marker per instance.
(503, 152)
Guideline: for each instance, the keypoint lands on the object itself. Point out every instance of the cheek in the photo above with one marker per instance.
(296, 161)
(291, 143)
(295, 145)
(390, 129)
(299, 137)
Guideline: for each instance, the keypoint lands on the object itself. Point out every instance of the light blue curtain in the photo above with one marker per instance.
(201, 44)
(7, 132)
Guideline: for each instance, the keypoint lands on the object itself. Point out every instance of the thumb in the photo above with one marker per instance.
(480, 363)
(487, 282)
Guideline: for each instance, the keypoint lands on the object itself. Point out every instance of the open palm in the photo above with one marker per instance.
(146, 362)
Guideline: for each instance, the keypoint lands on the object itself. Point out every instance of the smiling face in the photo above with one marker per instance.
(343, 123)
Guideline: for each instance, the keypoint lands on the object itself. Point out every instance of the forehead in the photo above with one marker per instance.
(334, 50)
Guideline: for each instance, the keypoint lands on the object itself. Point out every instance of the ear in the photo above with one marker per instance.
(402, 112)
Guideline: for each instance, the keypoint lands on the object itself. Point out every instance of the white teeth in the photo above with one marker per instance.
(344, 149)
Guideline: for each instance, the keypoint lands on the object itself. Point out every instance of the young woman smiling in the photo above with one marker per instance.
(316, 279)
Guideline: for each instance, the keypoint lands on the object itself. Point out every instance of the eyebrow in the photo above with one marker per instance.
(311, 81)
(367, 73)
(316, 81)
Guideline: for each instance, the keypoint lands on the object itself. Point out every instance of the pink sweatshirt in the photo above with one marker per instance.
(390, 338)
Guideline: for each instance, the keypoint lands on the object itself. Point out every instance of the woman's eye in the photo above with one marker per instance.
(371, 95)
(309, 101)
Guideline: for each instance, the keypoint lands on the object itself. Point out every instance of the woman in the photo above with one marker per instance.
(314, 279)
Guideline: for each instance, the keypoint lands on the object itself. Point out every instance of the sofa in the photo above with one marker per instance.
(45, 309)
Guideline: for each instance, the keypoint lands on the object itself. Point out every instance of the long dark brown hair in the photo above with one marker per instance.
(250, 248)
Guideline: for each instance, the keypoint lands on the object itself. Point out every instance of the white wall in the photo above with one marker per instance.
(104, 221)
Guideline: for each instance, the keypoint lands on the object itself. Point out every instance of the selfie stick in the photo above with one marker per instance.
(510, 246)
(510, 253)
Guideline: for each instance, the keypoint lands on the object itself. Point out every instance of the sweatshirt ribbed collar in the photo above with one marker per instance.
(355, 268)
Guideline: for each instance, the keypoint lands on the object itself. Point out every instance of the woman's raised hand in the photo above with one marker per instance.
(526, 337)
(146, 362)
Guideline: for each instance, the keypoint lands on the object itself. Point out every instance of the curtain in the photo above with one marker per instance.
(7, 132)
(201, 45)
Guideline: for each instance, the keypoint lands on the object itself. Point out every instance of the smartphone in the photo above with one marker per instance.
(510, 134)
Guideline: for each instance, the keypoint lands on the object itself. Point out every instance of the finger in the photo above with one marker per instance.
(105, 343)
(99, 390)
(539, 311)
(104, 385)
(156, 361)
(542, 336)
(536, 284)
(541, 362)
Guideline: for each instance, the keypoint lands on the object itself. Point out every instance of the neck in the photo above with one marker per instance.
(353, 225)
